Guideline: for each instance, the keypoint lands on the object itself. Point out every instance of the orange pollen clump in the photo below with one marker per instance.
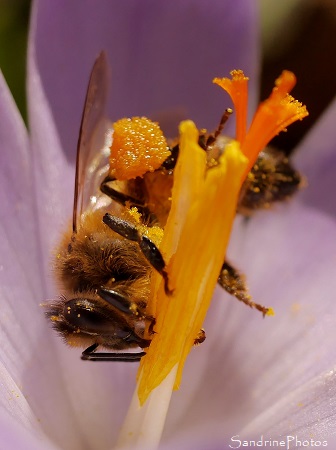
(138, 146)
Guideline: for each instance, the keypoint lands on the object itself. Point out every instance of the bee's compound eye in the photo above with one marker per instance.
(82, 314)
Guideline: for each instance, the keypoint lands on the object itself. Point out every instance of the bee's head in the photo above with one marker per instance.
(89, 319)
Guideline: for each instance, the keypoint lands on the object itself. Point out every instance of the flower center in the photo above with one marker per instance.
(194, 245)
(196, 235)
(273, 115)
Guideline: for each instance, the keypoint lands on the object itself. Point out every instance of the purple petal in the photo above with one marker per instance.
(308, 412)
(87, 386)
(27, 362)
(316, 158)
(19, 280)
(18, 437)
(53, 174)
(249, 364)
(163, 57)
(17, 193)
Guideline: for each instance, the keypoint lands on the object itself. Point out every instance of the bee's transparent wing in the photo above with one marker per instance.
(91, 137)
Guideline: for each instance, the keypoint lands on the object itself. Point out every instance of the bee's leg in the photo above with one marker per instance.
(200, 337)
(155, 258)
(170, 162)
(148, 248)
(90, 355)
(122, 227)
(233, 282)
(123, 303)
(119, 301)
(117, 196)
(122, 198)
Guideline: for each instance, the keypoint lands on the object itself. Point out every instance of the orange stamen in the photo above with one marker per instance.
(272, 117)
(237, 89)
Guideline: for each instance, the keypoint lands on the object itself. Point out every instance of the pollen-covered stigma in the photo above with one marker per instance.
(196, 234)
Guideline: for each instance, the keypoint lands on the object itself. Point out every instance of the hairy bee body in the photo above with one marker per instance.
(272, 179)
(97, 257)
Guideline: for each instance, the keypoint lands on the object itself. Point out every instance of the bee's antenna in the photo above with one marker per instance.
(212, 137)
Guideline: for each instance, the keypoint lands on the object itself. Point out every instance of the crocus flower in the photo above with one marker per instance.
(272, 377)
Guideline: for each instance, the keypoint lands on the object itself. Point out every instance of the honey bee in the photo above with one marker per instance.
(105, 261)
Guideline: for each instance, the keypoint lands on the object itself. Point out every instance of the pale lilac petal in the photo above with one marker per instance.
(316, 158)
(19, 280)
(248, 364)
(29, 369)
(87, 385)
(18, 437)
(306, 412)
(17, 193)
(163, 56)
(299, 248)
(17, 414)
(54, 176)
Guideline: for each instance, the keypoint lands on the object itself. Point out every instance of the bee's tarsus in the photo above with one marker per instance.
(168, 291)
(200, 337)
(90, 355)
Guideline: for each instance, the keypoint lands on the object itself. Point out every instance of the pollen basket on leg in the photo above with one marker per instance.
(138, 146)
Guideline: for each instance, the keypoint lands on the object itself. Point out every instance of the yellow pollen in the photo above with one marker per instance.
(55, 319)
(270, 312)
